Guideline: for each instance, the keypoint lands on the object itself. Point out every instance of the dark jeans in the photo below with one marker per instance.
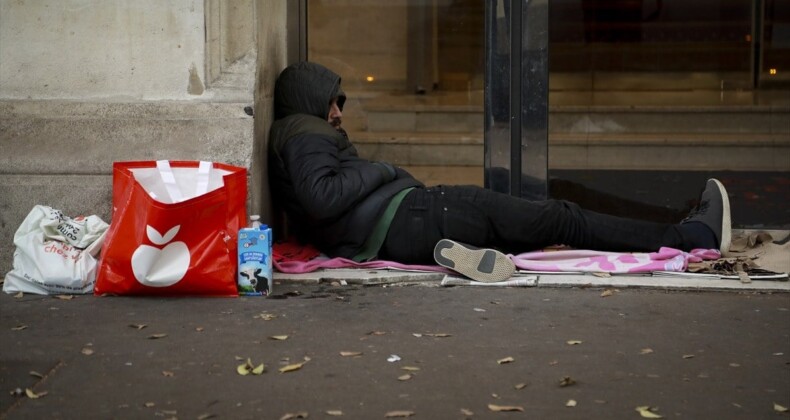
(485, 218)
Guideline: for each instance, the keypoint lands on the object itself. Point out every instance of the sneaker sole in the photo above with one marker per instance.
(726, 223)
(484, 265)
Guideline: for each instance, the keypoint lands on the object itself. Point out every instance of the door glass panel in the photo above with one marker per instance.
(413, 73)
(647, 98)
(774, 55)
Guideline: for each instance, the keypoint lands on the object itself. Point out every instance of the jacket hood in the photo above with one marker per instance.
(306, 88)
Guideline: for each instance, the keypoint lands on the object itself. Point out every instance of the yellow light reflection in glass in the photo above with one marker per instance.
(772, 71)
(370, 78)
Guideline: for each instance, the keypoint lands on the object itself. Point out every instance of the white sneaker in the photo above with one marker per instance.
(484, 265)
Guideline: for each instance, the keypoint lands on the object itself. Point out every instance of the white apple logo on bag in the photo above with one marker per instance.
(163, 267)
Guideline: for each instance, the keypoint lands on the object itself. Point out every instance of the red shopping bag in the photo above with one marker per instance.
(173, 229)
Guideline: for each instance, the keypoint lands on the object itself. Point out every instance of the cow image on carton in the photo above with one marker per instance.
(255, 259)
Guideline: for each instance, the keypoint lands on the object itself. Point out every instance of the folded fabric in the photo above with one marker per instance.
(293, 251)
(300, 267)
(579, 260)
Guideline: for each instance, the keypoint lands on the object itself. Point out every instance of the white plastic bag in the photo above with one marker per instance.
(55, 254)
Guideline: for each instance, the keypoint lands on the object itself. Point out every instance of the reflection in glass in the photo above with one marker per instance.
(647, 98)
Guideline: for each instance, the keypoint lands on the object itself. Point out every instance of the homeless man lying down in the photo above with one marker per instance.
(350, 207)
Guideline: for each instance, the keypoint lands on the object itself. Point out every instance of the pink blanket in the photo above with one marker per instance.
(666, 259)
(298, 267)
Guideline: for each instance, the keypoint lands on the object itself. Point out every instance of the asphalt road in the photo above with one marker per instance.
(691, 355)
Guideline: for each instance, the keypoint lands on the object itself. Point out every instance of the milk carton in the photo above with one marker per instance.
(255, 259)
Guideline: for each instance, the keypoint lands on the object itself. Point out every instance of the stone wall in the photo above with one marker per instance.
(86, 83)
(272, 58)
(87, 49)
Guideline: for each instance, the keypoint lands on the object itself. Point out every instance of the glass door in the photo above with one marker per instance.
(624, 106)
(413, 73)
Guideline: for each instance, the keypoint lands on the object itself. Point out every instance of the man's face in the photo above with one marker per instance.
(335, 114)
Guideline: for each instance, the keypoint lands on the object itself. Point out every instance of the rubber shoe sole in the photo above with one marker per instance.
(726, 222)
(484, 265)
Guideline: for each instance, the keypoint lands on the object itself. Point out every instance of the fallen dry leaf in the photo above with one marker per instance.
(601, 274)
(157, 336)
(19, 295)
(199, 329)
(499, 408)
(570, 403)
(648, 412)
(247, 367)
(573, 342)
(735, 365)
(688, 356)
(299, 415)
(350, 353)
(149, 404)
(32, 395)
(646, 351)
(780, 409)
(399, 413)
(467, 412)
(138, 326)
(87, 351)
(335, 413)
(554, 363)
(567, 381)
(279, 337)
(438, 335)
(376, 333)
(294, 366)
(168, 373)
(520, 386)
(405, 377)
(64, 297)
(418, 335)
(607, 293)
(393, 358)
(258, 369)
(506, 360)
(36, 374)
(244, 368)
(206, 416)
(19, 328)
(265, 316)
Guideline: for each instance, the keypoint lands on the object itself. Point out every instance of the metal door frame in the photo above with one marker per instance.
(516, 97)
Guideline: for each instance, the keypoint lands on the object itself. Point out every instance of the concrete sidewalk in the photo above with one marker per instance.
(693, 355)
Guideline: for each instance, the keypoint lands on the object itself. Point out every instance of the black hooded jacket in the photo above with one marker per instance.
(331, 196)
